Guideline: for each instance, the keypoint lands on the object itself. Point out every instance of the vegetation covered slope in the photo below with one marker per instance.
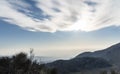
(79, 64)
(21, 64)
(111, 54)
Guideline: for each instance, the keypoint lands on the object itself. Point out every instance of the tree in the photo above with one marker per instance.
(4, 61)
(4, 65)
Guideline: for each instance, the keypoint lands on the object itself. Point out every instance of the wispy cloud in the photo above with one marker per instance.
(61, 15)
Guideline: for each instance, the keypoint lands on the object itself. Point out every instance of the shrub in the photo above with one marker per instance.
(21, 64)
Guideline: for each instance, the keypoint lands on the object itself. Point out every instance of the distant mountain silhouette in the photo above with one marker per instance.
(111, 54)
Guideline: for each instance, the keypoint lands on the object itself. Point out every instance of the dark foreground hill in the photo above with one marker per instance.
(22, 64)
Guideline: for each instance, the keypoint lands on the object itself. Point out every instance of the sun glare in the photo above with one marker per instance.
(82, 25)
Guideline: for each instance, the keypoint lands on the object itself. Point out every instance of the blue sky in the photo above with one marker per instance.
(55, 28)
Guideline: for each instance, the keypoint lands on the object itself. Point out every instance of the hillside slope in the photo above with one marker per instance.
(79, 64)
(111, 54)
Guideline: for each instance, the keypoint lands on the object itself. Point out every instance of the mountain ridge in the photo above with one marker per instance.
(111, 54)
(107, 58)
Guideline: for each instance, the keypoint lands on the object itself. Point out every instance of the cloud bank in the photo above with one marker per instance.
(61, 15)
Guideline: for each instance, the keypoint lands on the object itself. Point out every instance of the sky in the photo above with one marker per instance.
(58, 28)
